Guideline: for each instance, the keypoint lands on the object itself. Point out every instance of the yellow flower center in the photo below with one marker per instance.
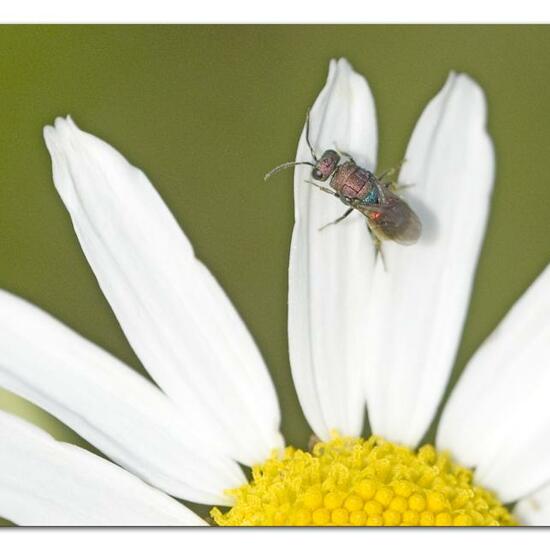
(353, 481)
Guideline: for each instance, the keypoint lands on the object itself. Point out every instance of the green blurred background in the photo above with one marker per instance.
(206, 111)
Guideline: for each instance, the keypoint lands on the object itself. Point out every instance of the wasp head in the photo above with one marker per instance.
(325, 166)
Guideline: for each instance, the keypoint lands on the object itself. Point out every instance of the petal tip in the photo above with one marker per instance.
(343, 63)
(65, 125)
(49, 134)
(59, 122)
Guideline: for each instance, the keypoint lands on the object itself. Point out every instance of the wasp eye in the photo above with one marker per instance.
(316, 174)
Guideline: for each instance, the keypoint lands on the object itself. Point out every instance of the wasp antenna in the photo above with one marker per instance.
(284, 167)
(307, 138)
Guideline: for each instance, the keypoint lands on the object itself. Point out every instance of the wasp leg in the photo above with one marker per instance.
(377, 248)
(338, 220)
(400, 186)
(325, 189)
(396, 187)
(391, 171)
(382, 196)
(344, 154)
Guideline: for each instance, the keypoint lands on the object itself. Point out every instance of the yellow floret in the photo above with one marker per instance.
(340, 516)
(354, 503)
(352, 481)
(462, 520)
(436, 501)
(366, 488)
(391, 518)
(375, 521)
(313, 499)
(443, 519)
(399, 504)
(358, 518)
(403, 488)
(410, 517)
(427, 518)
(384, 496)
(302, 517)
(333, 501)
(321, 516)
(417, 502)
(373, 508)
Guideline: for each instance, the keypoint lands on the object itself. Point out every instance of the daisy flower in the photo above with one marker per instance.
(359, 335)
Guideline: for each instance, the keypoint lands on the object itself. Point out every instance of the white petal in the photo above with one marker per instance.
(498, 416)
(535, 508)
(43, 482)
(109, 404)
(330, 270)
(173, 312)
(419, 302)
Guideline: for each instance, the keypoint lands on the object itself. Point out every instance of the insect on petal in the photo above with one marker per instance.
(330, 270)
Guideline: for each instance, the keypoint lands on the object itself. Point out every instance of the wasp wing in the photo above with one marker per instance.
(392, 220)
